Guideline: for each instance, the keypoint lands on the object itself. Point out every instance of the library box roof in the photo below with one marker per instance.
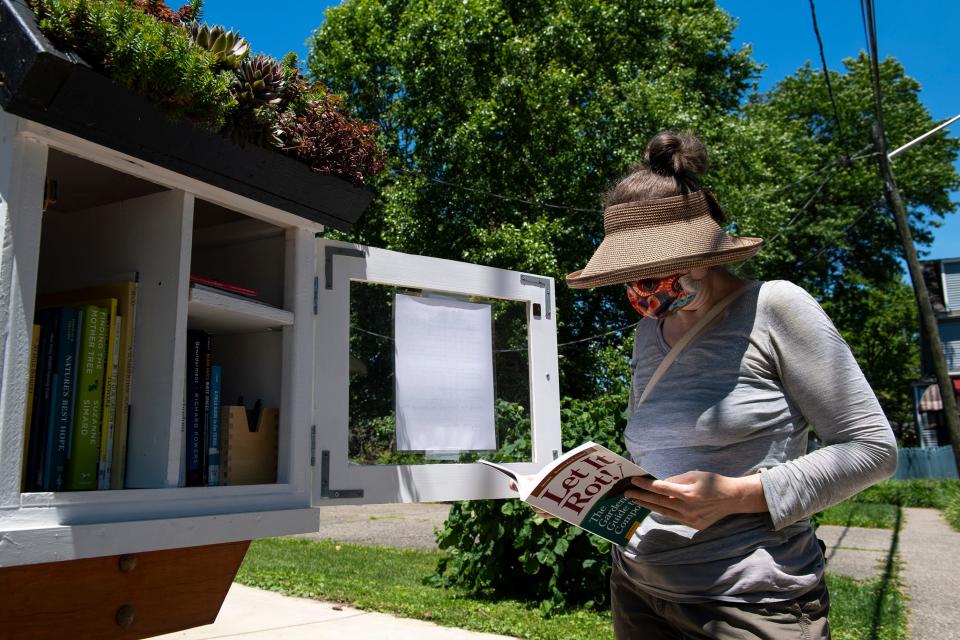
(57, 89)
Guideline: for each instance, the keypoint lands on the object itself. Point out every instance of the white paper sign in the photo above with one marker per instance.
(444, 372)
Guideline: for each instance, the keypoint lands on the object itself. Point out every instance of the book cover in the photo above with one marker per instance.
(223, 286)
(213, 436)
(108, 426)
(88, 412)
(124, 289)
(49, 320)
(193, 415)
(61, 401)
(584, 487)
(31, 394)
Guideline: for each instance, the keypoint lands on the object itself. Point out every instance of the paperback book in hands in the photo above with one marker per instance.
(585, 488)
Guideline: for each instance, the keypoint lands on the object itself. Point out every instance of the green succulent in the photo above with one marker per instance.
(228, 47)
(260, 81)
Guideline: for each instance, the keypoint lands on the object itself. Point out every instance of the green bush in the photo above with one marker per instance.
(502, 548)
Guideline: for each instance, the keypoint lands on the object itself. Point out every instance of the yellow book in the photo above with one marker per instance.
(34, 355)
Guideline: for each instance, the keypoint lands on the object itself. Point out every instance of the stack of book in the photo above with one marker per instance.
(78, 402)
(202, 413)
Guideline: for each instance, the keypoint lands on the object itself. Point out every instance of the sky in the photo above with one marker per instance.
(921, 34)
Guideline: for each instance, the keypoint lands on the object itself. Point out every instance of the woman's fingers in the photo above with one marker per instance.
(662, 487)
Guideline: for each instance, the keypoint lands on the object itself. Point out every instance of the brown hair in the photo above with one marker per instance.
(674, 164)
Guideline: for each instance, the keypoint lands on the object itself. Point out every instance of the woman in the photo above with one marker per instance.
(728, 550)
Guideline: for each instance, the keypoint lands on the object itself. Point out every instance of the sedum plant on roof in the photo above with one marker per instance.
(206, 74)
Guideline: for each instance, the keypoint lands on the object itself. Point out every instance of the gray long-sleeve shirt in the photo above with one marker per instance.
(738, 401)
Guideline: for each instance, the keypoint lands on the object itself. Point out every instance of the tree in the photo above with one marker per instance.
(844, 246)
(544, 100)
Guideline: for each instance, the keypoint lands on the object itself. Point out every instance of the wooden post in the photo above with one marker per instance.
(895, 203)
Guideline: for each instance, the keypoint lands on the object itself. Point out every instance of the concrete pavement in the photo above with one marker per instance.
(930, 550)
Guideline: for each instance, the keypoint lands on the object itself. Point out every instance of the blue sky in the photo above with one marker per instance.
(922, 34)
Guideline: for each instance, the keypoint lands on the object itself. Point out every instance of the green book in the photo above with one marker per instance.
(85, 443)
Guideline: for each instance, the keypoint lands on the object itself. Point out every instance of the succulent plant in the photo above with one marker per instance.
(227, 47)
(260, 81)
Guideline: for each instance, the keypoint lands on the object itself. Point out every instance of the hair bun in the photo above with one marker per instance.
(677, 155)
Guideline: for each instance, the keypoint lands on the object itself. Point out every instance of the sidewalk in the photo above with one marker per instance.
(930, 550)
(252, 614)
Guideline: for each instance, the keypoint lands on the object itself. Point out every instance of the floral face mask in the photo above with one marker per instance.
(659, 297)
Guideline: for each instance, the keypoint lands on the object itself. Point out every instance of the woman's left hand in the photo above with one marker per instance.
(699, 498)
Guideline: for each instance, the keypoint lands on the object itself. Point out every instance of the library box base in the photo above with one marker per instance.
(129, 596)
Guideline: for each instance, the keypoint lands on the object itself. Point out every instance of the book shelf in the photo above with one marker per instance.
(103, 223)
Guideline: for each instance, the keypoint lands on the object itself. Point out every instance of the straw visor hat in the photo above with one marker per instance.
(661, 237)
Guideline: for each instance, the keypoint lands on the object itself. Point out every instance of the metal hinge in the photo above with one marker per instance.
(325, 490)
(328, 261)
(313, 445)
(543, 283)
(316, 293)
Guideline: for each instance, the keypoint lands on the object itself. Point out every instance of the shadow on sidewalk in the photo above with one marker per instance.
(887, 580)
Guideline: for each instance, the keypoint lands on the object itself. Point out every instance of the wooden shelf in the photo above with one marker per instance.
(223, 314)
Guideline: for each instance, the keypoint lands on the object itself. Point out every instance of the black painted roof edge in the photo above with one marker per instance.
(57, 89)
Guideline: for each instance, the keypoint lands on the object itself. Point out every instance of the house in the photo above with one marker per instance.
(942, 278)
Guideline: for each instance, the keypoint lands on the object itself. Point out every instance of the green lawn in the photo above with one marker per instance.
(858, 514)
(392, 581)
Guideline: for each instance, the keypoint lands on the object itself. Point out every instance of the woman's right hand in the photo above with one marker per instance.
(540, 512)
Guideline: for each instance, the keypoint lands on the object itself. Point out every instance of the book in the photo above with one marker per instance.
(49, 320)
(105, 468)
(124, 290)
(62, 401)
(31, 393)
(585, 488)
(222, 286)
(213, 429)
(207, 363)
(193, 414)
(88, 412)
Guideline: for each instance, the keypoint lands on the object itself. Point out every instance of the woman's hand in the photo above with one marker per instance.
(698, 499)
(540, 512)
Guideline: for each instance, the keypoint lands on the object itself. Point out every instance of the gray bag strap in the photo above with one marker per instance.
(687, 338)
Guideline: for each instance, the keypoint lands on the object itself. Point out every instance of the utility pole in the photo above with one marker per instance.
(895, 203)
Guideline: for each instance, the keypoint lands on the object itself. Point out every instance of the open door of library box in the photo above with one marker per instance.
(425, 366)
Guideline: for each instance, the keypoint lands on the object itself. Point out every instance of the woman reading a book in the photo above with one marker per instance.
(728, 550)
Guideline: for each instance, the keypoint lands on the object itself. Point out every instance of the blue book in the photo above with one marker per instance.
(213, 435)
(49, 321)
(60, 419)
(193, 415)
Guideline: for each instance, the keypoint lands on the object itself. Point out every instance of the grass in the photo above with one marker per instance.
(866, 610)
(933, 494)
(856, 514)
(391, 581)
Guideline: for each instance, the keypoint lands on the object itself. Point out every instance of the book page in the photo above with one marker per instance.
(444, 375)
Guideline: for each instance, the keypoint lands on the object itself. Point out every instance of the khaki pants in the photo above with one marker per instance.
(638, 615)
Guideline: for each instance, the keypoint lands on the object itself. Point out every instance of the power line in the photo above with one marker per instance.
(826, 77)
(498, 196)
(559, 346)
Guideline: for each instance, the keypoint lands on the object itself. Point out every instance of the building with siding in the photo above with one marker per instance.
(942, 278)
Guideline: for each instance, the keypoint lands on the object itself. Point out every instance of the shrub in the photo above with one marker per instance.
(153, 58)
(502, 548)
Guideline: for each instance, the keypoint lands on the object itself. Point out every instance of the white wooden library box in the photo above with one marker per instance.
(118, 214)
